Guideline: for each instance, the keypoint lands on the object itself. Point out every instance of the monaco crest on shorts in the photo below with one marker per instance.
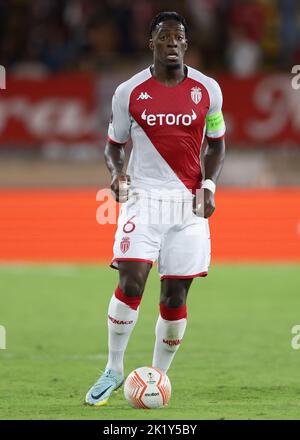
(124, 245)
(196, 95)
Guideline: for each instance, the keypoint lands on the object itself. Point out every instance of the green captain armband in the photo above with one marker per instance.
(215, 122)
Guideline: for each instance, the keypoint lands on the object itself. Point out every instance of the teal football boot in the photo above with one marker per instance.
(108, 382)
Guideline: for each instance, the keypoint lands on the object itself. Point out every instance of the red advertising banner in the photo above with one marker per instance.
(59, 108)
(260, 111)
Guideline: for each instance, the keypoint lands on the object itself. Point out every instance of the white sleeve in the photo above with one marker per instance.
(120, 123)
(215, 125)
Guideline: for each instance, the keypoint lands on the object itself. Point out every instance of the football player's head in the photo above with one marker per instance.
(168, 39)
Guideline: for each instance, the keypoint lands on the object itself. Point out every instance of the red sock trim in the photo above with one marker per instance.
(132, 301)
(172, 314)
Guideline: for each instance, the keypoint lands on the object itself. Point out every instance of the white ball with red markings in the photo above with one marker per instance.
(147, 387)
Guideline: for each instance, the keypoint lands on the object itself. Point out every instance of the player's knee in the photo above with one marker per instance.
(174, 299)
(132, 285)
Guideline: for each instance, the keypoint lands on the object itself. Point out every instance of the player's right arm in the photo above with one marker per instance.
(115, 159)
(118, 134)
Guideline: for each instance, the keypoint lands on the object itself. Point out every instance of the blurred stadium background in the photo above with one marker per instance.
(63, 60)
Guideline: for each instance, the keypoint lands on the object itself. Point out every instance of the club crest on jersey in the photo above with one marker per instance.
(196, 95)
(125, 244)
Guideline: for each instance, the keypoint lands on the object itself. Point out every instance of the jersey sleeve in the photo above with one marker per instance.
(120, 123)
(215, 125)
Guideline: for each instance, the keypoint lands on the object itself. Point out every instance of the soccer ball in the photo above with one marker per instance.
(147, 387)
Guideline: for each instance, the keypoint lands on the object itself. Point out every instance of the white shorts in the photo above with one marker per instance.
(166, 231)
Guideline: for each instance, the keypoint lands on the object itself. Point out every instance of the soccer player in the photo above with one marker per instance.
(167, 109)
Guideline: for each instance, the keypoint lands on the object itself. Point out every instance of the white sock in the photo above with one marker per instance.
(168, 338)
(121, 321)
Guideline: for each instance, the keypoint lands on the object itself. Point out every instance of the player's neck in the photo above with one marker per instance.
(168, 77)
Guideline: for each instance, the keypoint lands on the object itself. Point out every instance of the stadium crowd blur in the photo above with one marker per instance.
(238, 36)
(57, 129)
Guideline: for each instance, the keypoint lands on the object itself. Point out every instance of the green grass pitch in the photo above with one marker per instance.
(236, 360)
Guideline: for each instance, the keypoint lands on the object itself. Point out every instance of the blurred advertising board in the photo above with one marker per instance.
(53, 109)
(74, 109)
(263, 110)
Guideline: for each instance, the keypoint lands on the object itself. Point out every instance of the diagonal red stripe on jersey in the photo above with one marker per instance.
(174, 124)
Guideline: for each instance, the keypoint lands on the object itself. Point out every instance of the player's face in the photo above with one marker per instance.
(169, 43)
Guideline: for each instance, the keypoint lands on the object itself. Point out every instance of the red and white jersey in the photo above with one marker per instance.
(167, 126)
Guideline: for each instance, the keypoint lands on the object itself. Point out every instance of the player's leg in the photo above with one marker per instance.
(123, 310)
(184, 255)
(135, 249)
(122, 317)
(172, 321)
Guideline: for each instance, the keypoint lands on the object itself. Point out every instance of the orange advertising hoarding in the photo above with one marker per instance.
(60, 226)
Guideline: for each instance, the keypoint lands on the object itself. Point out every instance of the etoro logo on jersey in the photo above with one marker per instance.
(169, 118)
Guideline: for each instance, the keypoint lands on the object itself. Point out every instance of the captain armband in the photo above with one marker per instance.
(215, 124)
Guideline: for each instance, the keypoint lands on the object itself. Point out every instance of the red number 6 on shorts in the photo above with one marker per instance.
(129, 226)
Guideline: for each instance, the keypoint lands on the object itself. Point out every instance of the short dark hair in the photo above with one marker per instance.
(166, 16)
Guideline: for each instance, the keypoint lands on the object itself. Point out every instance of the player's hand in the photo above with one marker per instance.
(120, 183)
(209, 204)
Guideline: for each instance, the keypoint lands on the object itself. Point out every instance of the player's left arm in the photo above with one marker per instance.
(215, 152)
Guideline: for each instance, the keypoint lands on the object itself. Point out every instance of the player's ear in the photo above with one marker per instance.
(151, 46)
(186, 45)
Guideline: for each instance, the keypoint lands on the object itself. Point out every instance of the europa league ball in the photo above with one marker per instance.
(147, 387)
